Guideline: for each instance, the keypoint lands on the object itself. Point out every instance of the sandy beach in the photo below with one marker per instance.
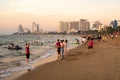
(81, 64)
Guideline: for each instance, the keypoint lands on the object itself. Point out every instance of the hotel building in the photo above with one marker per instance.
(84, 25)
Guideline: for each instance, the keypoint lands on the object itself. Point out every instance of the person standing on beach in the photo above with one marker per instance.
(62, 48)
(65, 46)
(58, 48)
(90, 44)
(27, 52)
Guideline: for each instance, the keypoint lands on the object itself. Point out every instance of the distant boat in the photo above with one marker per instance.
(14, 47)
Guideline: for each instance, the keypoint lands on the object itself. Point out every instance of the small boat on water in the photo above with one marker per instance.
(14, 47)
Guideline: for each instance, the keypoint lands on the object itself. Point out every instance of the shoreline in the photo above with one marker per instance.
(44, 61)
(39, 63)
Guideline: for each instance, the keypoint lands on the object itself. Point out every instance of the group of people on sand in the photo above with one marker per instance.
(61, 46)
(61, 49)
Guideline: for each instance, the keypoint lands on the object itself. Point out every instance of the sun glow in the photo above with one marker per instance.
(48, 13)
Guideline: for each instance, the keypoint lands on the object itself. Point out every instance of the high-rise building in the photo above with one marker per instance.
(20, 29)
(74, 25)
(33, 27)
(114, 23)
(63, 26)
(118, 22)
(97, 25)
(37, 28)
(84, 25)
(87, 26)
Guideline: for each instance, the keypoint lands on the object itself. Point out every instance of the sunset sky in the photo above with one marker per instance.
(48, 13)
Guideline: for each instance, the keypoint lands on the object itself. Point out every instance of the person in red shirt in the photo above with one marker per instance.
(90, 44)
(27, 52)
(58, 48)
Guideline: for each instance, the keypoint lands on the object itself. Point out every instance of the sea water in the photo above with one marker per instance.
(41, 47)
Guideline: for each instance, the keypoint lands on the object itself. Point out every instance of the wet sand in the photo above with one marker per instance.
(82, 64)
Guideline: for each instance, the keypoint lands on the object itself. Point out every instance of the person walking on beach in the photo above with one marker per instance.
(62, 48)
(27, 52)
(90, 44)
(65, 46)
(58, 48)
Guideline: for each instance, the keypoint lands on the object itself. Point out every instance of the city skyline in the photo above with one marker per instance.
(48, 13)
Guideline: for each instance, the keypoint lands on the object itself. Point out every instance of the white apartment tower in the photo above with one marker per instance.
(63, 26)
(97, 25)
(37, 28)
(33, 27)
(84, 25)
(74, 25)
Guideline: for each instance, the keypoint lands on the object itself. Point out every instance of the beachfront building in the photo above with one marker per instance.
(105, 27)
(87, 26)
(63, 26)
(84, 25)
(74, 26)
(35, 28)
(118, 22)
(20, 29)
(97, 25)
(114, 23)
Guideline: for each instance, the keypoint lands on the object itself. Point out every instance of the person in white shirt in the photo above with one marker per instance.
(65, 46)
(62, 48)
